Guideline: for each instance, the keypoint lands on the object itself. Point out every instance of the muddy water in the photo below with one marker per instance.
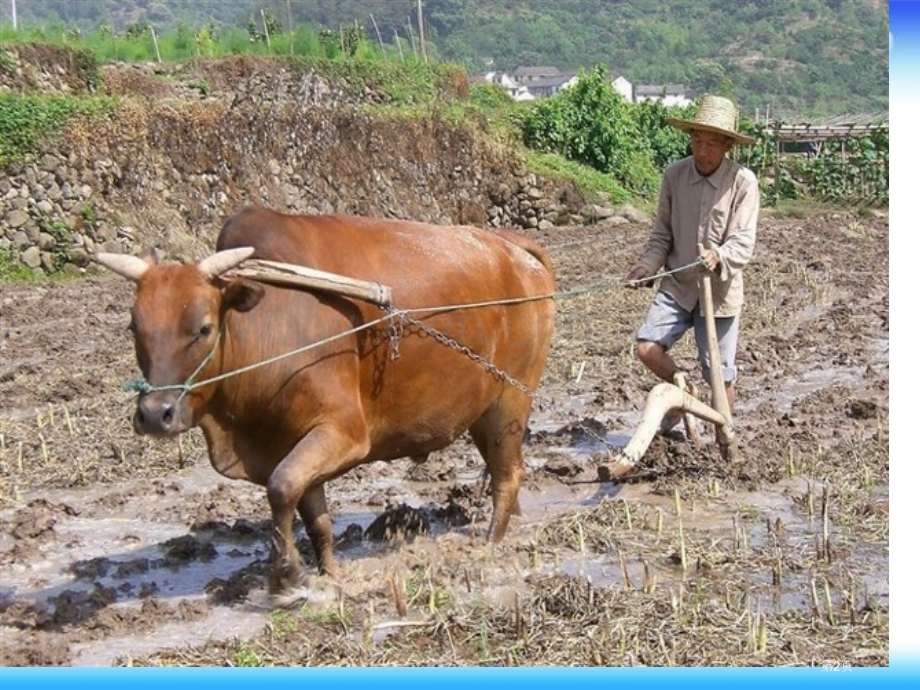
(145, 548)
(149, 550)
(742, 521)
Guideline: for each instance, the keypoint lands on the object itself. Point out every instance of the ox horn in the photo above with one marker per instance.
(221, 262)
(131, 267)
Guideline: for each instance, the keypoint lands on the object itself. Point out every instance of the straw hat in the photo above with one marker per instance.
(715, 114)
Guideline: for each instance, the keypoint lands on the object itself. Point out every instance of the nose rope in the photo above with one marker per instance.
(143, 387)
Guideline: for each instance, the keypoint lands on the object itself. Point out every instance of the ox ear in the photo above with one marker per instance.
(241, 295)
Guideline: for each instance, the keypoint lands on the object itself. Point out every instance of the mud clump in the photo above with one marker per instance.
(862, 409)
(187, 548)
(39, 517)
(399, 523)
(237, 587)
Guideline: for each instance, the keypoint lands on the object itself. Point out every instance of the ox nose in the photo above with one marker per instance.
(157, 415)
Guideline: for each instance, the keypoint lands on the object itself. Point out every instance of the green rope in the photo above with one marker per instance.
(143, 387)
(594, 287)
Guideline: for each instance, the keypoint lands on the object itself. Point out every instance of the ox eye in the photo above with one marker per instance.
(206, 330)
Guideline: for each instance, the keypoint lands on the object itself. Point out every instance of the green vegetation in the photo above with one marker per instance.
(401, 83)
(589, 180)
(13, 271)
(800, 57)
(587, 134)
(27, 120)
(247, 656)
(591, 123)
(177, 41)
(852, 169)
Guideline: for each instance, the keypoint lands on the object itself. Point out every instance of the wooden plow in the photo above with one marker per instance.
(680, 395)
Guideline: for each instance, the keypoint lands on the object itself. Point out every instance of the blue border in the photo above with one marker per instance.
(905, 635)
(904, 90)
(457, 679)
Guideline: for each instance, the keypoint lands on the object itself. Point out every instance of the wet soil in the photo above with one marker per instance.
(117, 549)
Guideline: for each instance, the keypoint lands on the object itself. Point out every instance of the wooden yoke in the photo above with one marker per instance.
(304, 277)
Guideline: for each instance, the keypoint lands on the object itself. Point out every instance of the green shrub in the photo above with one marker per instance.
(27, 120)
(591, 123)
(489, 97)
(667, 144)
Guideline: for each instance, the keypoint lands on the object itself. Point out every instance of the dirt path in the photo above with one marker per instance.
(120, 549)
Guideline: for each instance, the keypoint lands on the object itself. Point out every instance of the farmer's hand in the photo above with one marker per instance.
(634, 279)
(710, 259)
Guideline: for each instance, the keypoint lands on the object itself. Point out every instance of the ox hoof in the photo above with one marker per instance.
(292, 598)
(314, 590)
(286, 578)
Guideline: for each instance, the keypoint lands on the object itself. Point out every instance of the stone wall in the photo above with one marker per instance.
(172, 164)
(26, 67)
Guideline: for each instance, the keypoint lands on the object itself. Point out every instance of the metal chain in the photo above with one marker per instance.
(446, 340)
(395, 330)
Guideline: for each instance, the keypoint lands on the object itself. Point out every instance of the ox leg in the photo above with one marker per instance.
(287, 568)
(498, 435)
(315, 516)
(297, 483)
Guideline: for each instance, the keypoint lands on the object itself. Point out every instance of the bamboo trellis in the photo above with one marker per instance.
(840, 127)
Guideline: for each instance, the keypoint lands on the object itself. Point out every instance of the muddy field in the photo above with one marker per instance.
(116, 549)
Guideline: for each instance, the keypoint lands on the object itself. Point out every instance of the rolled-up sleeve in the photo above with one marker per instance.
(738, 248)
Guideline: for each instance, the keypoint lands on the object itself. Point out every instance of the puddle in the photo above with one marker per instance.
(223, 623)
(713, 530)
(818, 380)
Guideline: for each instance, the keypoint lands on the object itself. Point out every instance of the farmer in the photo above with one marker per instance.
(706, 198)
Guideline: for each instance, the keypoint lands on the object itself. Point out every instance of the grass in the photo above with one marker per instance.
(593, 183)
(180, 43)
(247, 656)
(14, 271)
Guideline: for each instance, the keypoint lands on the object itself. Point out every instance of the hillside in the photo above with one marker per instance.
(802, 57)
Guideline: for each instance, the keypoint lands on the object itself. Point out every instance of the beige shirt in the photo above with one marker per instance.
(719, 211)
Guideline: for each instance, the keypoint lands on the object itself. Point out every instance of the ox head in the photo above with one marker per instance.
(177, 321)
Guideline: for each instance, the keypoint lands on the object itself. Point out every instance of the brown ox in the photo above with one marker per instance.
(302, 420)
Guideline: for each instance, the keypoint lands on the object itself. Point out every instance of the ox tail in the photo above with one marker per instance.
(532, 247)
